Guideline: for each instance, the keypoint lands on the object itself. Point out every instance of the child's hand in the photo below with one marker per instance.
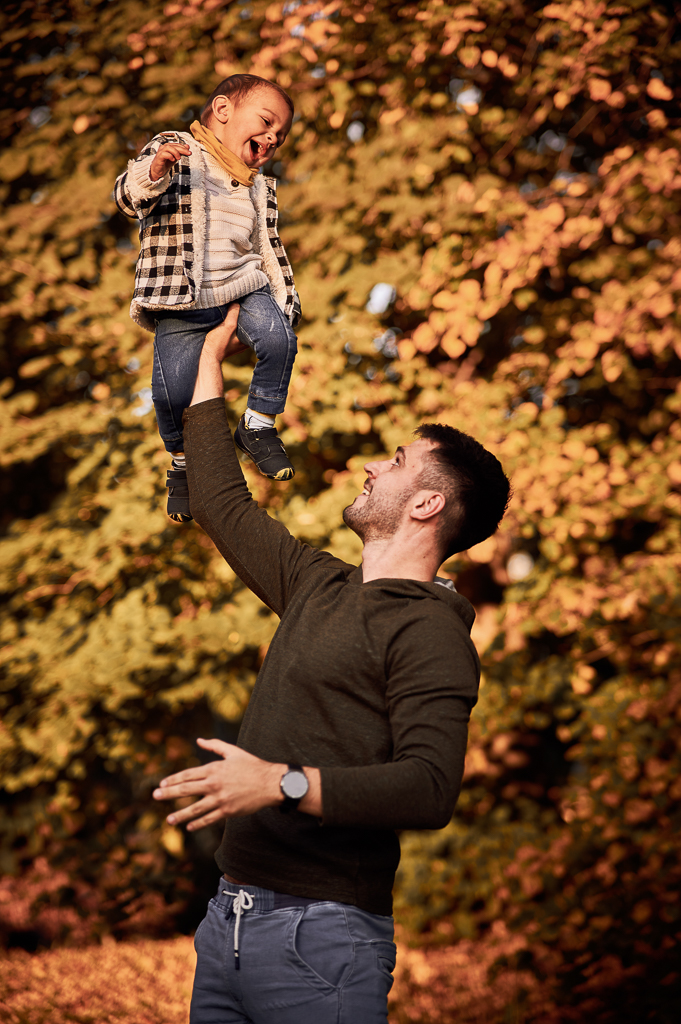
(167, 157)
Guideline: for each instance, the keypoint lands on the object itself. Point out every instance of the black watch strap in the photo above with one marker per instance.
(290, 802)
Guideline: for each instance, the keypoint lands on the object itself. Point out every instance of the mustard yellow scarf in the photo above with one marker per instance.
(234, 166)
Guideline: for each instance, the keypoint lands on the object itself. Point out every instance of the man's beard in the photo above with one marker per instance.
(378, 518)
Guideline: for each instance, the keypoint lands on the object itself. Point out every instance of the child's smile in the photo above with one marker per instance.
(258, 149)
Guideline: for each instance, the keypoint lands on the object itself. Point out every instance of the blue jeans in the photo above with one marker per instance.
(177, 348)
(321, 963)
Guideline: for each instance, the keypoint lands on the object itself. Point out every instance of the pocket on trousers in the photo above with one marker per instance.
(212, 906)
(322, 945)
(386, 955)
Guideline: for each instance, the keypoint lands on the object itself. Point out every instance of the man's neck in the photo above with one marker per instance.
(392, 559)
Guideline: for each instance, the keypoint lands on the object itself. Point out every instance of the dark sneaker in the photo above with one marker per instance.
(178, 496)
(265, 448)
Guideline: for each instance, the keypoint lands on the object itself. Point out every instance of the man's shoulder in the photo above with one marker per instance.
(429, 616)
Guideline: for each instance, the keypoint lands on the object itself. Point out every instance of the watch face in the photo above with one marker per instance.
(294, 785)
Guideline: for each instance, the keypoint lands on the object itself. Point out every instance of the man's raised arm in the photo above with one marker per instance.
(260, 550)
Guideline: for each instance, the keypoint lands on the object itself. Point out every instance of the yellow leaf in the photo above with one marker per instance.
(452, 344)
(469, 291)
(484, 552)
(469, 56)
(172, 840)
(465, 192)
(424, 338)
(599, 89)
(392, 116)
(657, 90)
(586, 349)
(363, 422)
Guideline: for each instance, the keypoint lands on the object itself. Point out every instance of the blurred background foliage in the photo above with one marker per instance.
(481, 202)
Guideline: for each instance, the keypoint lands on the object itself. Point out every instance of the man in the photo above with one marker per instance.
(356, 727)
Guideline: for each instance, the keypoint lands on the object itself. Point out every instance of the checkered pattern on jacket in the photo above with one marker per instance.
(164, 273)
(292, 308)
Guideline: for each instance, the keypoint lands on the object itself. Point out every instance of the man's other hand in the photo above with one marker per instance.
(238, 785)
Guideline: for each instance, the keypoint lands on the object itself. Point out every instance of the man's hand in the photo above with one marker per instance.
(166, 157)
(238, 785)
(221, 343)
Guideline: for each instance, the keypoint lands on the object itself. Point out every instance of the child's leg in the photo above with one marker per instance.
(178, 342)
(264, 328)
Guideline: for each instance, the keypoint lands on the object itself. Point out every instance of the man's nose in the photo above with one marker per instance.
(374, 468)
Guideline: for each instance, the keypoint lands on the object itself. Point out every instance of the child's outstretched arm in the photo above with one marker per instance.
(139, 188)
(167, 157)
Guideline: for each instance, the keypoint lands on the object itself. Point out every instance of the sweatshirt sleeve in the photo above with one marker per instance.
(433, 675)
(263, 554)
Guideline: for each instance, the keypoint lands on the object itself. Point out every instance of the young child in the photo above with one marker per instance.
(208, 231)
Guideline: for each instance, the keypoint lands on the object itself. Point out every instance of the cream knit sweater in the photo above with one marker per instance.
(232, 267)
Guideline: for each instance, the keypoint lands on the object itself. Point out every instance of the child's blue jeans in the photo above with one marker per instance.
(324, 963)
(179, 338)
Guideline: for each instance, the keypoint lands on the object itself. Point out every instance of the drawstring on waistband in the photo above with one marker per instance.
(242, 901)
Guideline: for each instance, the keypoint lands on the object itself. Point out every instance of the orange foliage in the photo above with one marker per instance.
(141, 982)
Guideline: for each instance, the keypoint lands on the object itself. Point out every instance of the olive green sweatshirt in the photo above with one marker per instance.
(372, 683)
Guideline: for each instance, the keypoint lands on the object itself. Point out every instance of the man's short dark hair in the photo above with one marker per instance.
(475, 486)
(237, 87)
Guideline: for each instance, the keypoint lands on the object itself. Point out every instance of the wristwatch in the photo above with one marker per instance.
(294, 785)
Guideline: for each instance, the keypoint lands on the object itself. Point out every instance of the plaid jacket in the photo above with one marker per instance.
(172, 216)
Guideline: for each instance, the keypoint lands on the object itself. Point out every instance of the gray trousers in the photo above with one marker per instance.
(311, 963)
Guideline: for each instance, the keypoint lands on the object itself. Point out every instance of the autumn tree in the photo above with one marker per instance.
(481, 202)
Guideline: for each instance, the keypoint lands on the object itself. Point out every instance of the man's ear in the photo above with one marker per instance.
(222, 108)
(426, 504)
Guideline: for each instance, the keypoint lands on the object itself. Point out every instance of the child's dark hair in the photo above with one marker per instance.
(237, 87)
(475, 487)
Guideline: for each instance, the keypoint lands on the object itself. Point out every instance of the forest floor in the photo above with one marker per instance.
(149, 982)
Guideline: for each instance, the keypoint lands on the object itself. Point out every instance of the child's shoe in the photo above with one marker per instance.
(264, 446)
(178, 495)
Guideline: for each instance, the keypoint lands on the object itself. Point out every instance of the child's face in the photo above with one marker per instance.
(253, 128)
